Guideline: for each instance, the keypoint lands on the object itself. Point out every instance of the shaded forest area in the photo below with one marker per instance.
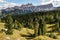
(36, 21)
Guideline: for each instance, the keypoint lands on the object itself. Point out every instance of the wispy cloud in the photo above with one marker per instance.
(7, 4)
(1, 0)
(44, 2)
(10, 4)
(56, 3)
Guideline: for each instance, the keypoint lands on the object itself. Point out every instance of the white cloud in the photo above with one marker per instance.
(56, 3)
(44, 3)
(7, 4)
(0, 7)
(10, 4)
(1, 0)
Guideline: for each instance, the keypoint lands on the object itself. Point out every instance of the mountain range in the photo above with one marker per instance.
(29, 8)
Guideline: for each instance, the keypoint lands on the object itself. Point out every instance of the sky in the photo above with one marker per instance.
(12, 3)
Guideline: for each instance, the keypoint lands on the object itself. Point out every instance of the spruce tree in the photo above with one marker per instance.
(44, 25)
(36, 25)
(40, 27)
(9, 24)
(19, 26)
(57, 18)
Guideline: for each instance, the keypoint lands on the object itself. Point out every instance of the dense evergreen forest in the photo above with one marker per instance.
(35, 20)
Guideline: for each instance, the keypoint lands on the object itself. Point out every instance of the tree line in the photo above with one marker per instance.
(35, 20)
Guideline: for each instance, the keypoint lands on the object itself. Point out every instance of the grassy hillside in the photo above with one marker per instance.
(34, 26)
(19, 35)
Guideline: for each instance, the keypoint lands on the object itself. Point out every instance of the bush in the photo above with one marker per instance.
(53, 36)
(9, 32)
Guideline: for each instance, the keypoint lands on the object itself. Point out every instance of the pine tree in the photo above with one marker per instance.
(40, 27)
(36, 25)
(19, 26)
(44, 25)
(9, 24)
(57, 18)
(15, 24)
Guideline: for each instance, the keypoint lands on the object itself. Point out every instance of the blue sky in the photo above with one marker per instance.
(34, 2)
(11, 3)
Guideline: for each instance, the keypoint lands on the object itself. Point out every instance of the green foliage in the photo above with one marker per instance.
(9, 31)
(35, 20)
(53, 36)
(17, 25)
(44, 25)
(9, 24)
(36, 25)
